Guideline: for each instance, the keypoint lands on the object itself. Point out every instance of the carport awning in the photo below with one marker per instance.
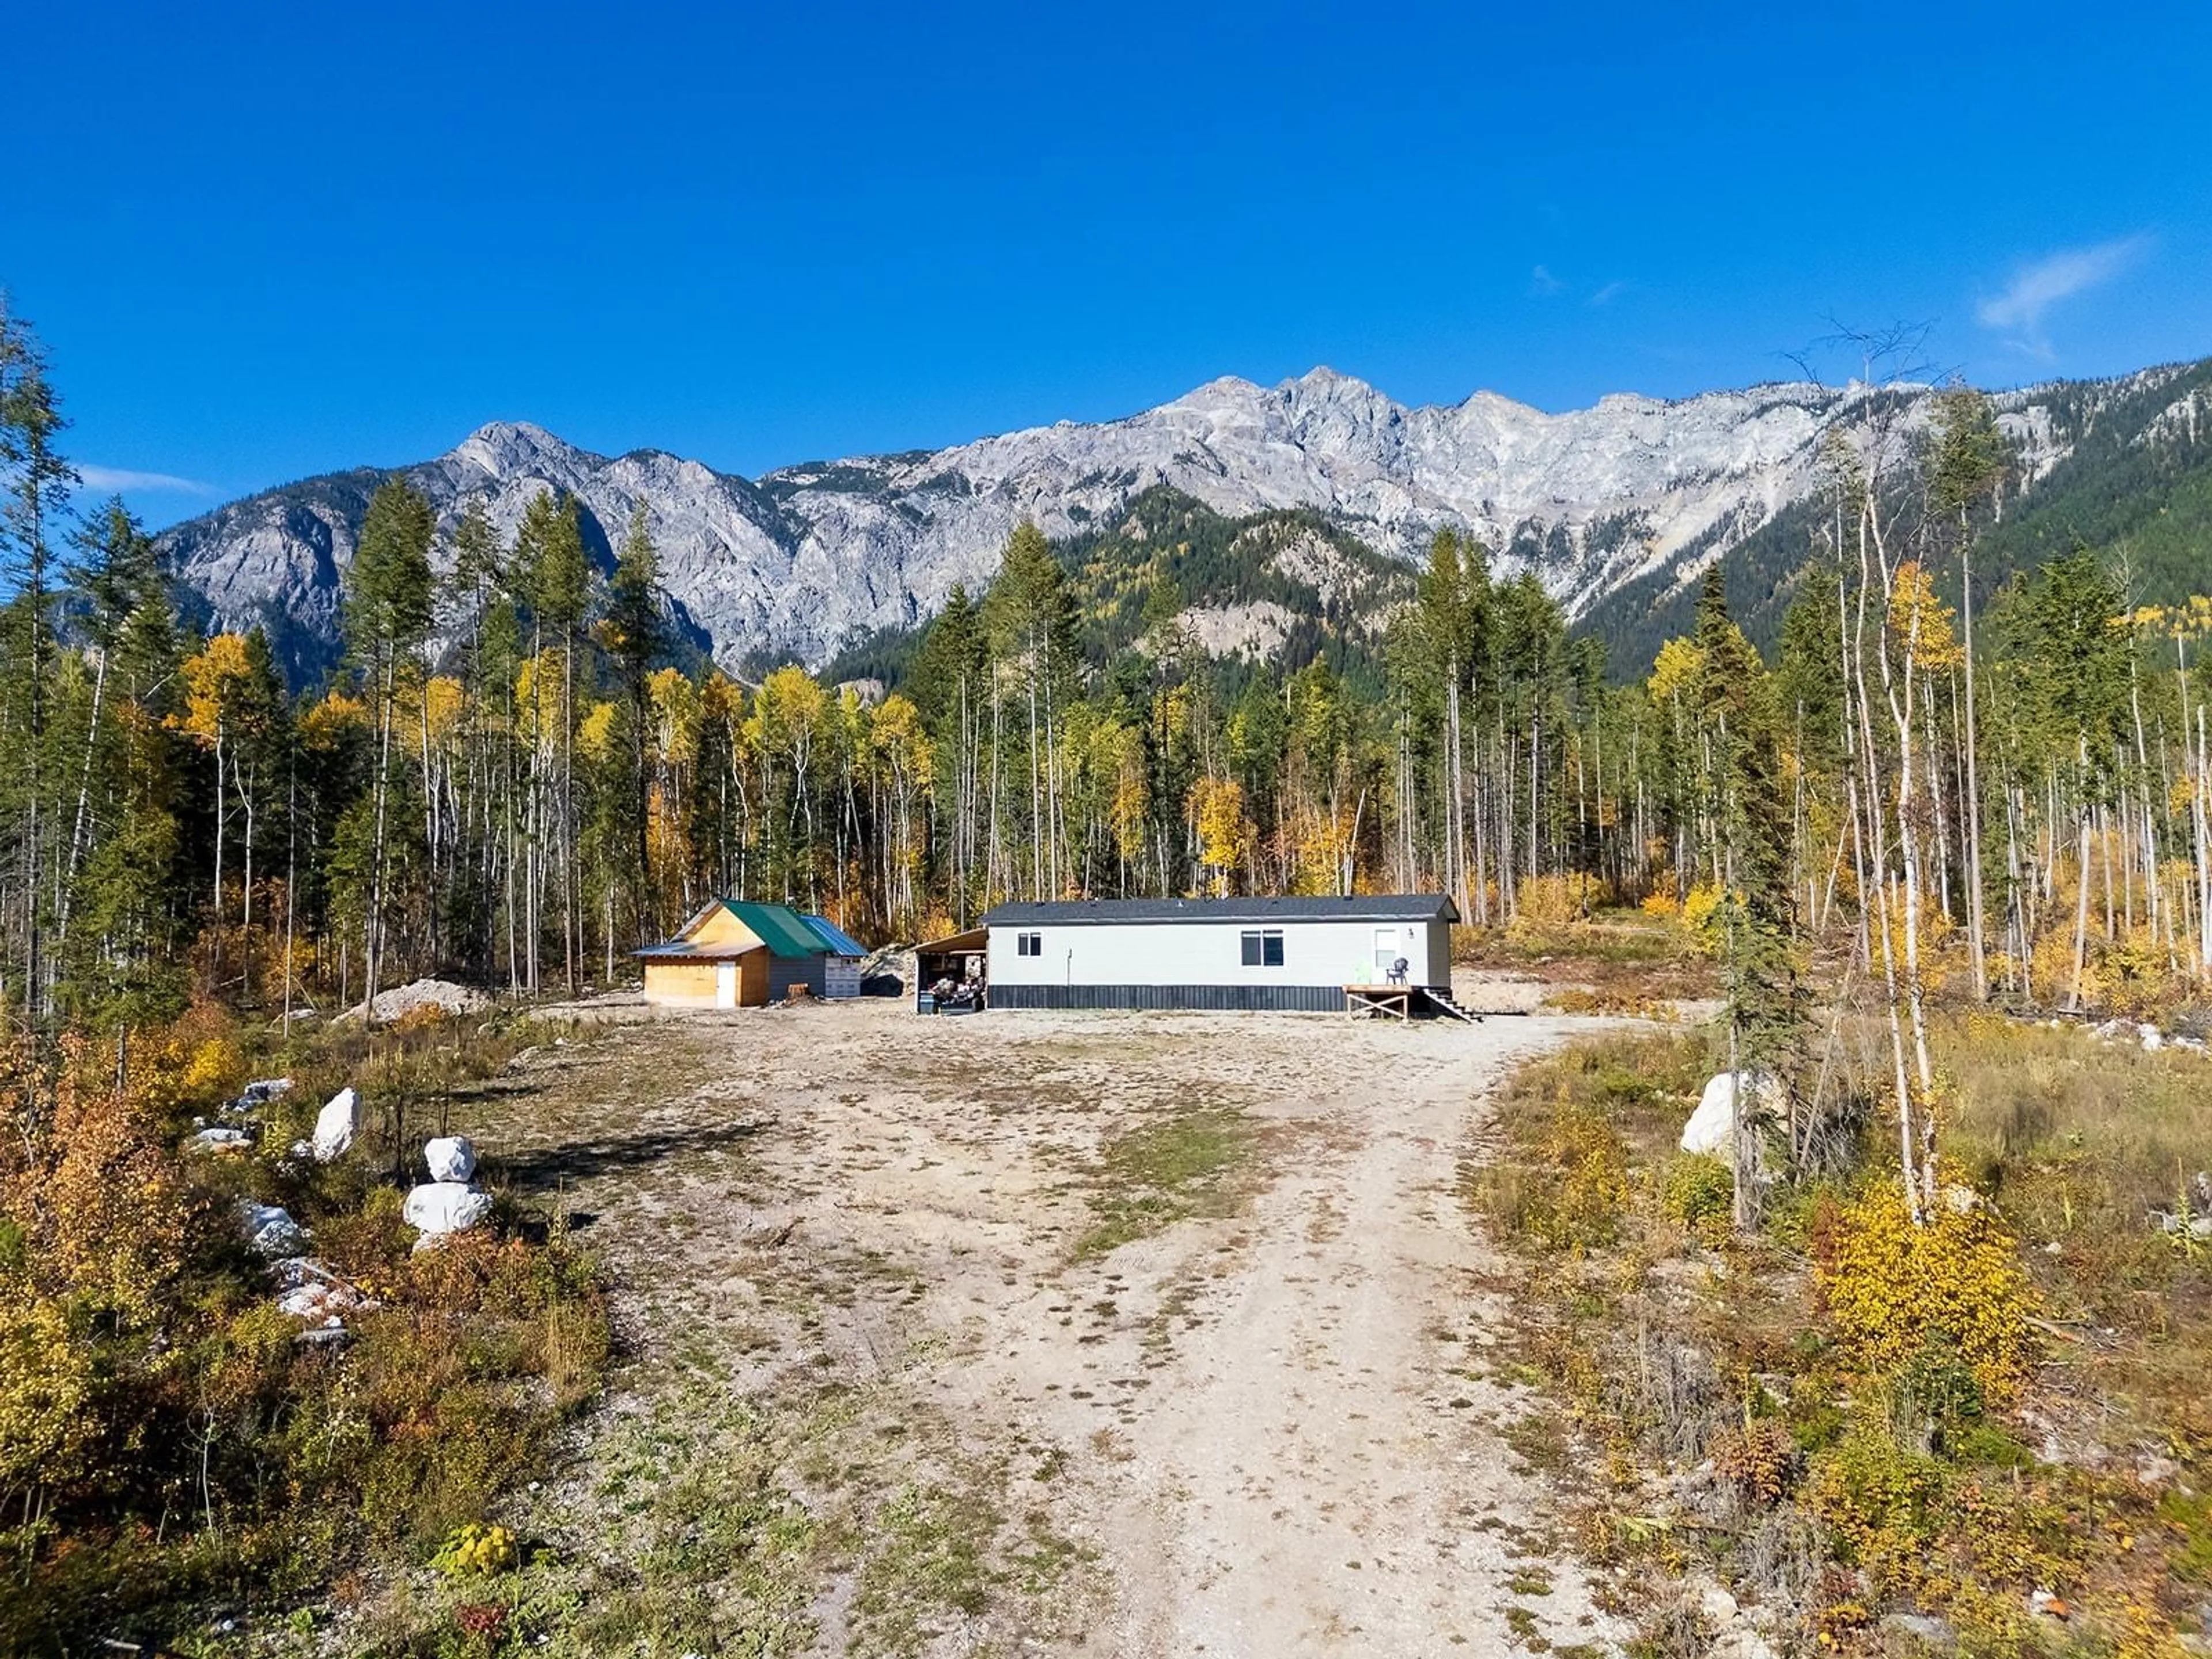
(955, 944)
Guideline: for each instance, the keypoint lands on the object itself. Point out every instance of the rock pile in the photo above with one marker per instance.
(450, 1201)
(271, 1229)
(309, 1290)
(306, 1288)
(440, 993)
(240, 1127)
(2190, 1218)
(2140, 1033)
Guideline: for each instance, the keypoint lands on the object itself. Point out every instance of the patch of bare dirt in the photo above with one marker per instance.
(1169, 1328)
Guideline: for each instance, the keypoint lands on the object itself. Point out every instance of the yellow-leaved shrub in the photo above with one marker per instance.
(1882, 1503)
(1558, 901)
(46, 1383)
(215, 1073)
(1698, 905)
(1891, 1286)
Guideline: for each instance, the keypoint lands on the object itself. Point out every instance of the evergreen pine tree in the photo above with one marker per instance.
(37, 483)
(389, 591)
(1762, 992)
(635, 642)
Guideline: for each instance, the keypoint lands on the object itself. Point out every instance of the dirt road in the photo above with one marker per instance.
(1125, 1335)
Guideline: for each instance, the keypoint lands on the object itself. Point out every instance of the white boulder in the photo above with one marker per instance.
(450, 1157)
(439, 1207)
(1711, 1131)
(264, 1090)
(2152, 1039)
(335, 1125)
(271, 1229)
(311, 1290)
(220, 1140)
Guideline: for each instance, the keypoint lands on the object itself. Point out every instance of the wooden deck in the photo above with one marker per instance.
(1379, 999)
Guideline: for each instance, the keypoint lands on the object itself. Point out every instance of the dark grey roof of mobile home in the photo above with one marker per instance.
(1366, 906)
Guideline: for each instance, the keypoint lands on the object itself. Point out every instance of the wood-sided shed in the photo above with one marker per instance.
(736, 953)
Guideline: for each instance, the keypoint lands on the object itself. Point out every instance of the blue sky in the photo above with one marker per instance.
(261, 243)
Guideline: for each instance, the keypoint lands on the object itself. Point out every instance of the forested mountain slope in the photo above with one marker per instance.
(1616, 508)
(2122, 468)
(1279, 587)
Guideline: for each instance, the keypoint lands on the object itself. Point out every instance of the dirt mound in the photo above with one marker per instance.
(888, 972)
(440, 993)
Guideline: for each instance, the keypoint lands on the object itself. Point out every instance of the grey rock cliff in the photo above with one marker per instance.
(811, 556)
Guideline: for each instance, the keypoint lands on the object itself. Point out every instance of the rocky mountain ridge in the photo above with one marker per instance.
(1633, 492)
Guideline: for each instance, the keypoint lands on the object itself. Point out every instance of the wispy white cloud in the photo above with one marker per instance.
(2020, 307)
(1609, 293)
(119, 478)
(1543, 284)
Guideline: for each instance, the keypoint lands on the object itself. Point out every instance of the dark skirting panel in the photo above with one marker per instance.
(1207, 999)
(784, 972)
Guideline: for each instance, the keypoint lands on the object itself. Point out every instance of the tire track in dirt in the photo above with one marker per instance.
(1270, 1431)
(1309, 1467)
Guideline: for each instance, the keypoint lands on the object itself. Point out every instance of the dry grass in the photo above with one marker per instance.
(1192, 1164)
(2031, 1098)
(2083, 1147)
(1623, 957)
(1728, 1431)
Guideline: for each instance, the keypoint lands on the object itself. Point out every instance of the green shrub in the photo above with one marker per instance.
(1699, 1193)
(2190, 1518)
(1882, 1503)
(1935, 1397)
(1582, 1183)
(1986, 1446)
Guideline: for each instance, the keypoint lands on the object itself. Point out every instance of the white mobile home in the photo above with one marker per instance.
(1296, 954)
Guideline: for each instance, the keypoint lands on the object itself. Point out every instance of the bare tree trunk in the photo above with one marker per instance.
(245, 806)
(372, 924)
(84, 800)
(2081, 913)
(572, 922)
(1975, 920)
(291, 868)
(2201, 814)
(221, 818)
(1874, 874)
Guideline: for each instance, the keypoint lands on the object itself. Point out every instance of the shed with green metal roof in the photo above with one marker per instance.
(737, 953)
